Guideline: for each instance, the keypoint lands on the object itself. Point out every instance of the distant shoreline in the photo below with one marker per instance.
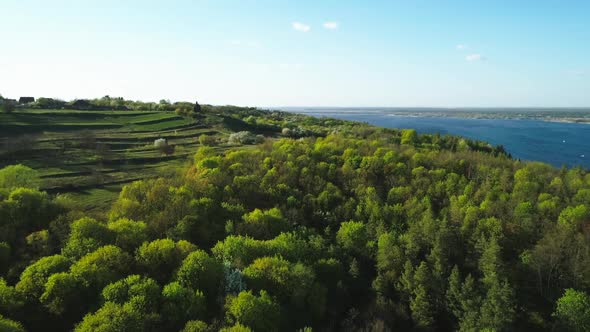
(555, 137)
(565, 115)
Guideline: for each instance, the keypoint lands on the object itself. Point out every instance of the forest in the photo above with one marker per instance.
(313, 225)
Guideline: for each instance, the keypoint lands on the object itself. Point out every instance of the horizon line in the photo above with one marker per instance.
(433, 107)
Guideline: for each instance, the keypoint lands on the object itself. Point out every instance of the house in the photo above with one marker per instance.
(26, 100)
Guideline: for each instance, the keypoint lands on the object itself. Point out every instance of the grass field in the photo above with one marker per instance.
(91, 154)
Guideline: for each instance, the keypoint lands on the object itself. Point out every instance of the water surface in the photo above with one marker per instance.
(555, 143)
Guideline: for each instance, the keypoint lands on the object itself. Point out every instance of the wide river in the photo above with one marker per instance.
(555, 143)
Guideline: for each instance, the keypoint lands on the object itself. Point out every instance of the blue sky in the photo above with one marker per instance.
(300, 53)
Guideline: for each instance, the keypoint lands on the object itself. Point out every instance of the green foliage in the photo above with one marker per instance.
(8, 325)
(573, 310)
(260, 313)
(113, 317)
(464, 301)
(19, 176)
(352, 236)
(161, 258)
(24, 211)
(201, 271)
(573, 215)
(195, 326)
(204, 226)
(347, 227)
(389, 262)
(181, 304)
(409, 136)
(560, 259)
(293, 283)
(422, 312)
(152, 201)
(278, 276)
(497, 310)
(39, 243)
(86, 236)
(236, 328)
(128, 234)
(34, 277)
(64, 292)
(263, 224)
(240, 250)
(134, 288)
(10, 298)
(102, 266)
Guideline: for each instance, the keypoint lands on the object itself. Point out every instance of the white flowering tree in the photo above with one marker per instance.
(245, 137)
(160, 143)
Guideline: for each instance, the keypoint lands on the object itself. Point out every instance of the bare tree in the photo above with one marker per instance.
(168, 149)
(7, 106)
(103, 151)
(87, 139)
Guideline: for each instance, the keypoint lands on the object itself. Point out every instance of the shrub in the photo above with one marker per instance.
(15, 176)
(244, 137)
(207, 140)
(286, 132)
(160, 143)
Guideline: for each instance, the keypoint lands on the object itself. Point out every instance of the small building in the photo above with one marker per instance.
(26, 100)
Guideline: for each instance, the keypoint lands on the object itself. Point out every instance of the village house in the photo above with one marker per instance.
(26, 100)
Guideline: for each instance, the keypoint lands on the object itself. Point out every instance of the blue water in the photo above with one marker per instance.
(552, 142)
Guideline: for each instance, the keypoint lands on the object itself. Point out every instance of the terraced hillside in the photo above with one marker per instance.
(91, 154)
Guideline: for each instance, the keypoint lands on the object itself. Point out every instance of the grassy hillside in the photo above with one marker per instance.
(91, 154)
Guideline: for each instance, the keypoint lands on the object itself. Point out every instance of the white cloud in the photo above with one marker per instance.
(462, 47)
(474, 57)
(301, 27)
(331, 25)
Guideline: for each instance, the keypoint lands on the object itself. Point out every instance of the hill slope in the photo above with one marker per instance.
(314, 223)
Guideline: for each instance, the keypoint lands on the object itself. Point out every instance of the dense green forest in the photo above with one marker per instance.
(314, 224)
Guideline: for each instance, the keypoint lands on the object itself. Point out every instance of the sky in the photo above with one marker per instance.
(346, 53)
